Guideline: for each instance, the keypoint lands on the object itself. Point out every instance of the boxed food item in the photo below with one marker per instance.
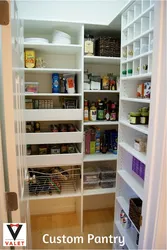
(28, 103)
(91, 174)
(107, 183)
(140, 144)
(31, 87)
(147, 89)
(107, 173)
(43, 150)
(91, 184)
(140, 90)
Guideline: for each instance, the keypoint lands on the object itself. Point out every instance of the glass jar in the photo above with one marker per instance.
(135, 117)
(89, 45)
(144, 118)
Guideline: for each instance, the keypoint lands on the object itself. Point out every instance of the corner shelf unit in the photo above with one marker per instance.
(136, 67)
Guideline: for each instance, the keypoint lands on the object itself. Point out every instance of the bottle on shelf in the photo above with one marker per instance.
(105, 107)
(86, 111)
(100, 110)
(113, 112)
(93, 112)
(107, 116)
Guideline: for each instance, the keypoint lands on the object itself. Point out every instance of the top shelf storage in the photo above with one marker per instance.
(45, 29)
(137, 20)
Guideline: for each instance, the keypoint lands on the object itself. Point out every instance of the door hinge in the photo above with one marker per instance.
(11, 201)
(141, 219)
(4, 12)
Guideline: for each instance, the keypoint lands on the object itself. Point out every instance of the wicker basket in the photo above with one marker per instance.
(108, 46)
(135, 211)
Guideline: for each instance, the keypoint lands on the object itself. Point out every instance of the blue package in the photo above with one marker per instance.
(55, 83)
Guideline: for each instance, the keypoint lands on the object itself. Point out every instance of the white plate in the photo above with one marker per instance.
(36, 40)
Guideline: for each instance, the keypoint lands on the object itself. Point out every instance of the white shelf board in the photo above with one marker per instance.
(132, 183)
(125, 206)
(124, 232)
(102, 91)
(136, 57)
(53, 114)
(50, 160)
(137, 77)
(52, 94)
(141, 128)
(139, 155)
(99, 191)
(138, 37)
(60, 49)
(137, 18)
(64, 194)
(98, 123)
(100, 157)
(54, 137)
(50, 70)
(129, 99)
(102, 60)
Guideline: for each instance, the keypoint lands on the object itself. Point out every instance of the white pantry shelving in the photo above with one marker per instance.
(100, 123)
(102, 60)
(52, 137)
(100, 157)
(53, 114)
(51, 70)
(70, 59)
(61, 49)
(141, 100)
(99, 191)
(141, 128)
(51, 94)
(139, 155)
(38, 161)
(136, 67)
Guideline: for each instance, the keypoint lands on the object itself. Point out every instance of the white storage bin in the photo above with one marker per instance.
(60, 37)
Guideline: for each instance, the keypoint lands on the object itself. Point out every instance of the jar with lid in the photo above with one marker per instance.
(144, 118)
(86, 111)
(100, 111)
(93, 112)
(135, 117)
(89, 45)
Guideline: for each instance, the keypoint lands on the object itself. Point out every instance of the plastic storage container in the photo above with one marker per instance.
(31, 87)
(107, 183)
(107, 173)
(91, 184)
(91, 174)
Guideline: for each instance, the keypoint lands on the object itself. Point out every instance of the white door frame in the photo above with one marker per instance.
(155, 183)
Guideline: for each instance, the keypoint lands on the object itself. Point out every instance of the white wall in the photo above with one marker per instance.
(84, 11)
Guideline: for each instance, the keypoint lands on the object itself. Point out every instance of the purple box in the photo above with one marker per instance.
(134, 164)
(138, 167)
(142, 170)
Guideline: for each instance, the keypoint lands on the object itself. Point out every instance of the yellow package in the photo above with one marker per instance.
(29, 58)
